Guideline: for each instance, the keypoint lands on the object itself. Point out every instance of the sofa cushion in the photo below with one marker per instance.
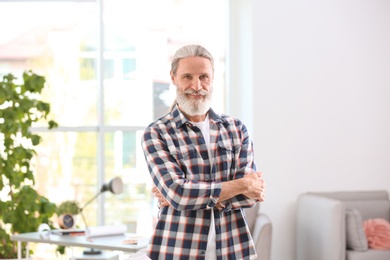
(356, 237)
(371, 208)
(378, 233)
(370, 254)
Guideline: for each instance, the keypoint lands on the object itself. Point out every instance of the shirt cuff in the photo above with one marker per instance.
(215, 191)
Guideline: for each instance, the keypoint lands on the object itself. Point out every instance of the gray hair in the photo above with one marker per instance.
(190, 51)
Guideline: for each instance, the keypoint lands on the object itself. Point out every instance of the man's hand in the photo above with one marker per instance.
(162, 202)
(256, 186)
(251, 185)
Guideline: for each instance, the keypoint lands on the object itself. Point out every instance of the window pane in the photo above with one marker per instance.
(87, 69)
(143, 39)
(59, 41)
(124, 158)
(66, 169)
(49, 41)
(128, 68)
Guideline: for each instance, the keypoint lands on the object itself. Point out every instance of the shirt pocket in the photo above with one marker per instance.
(224, 160)
(187, 161)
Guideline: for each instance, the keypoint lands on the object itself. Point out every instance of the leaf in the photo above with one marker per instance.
(52, 124)
(33, 82)
(21, 206)
(35, 139)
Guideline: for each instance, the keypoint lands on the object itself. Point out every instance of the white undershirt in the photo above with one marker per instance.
(211, 245)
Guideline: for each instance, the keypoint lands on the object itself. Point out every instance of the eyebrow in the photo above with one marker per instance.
(190, 74)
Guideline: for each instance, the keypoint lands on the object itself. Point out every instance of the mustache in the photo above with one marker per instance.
(197, 92)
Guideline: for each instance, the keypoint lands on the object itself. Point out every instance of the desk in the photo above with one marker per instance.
(104, 242)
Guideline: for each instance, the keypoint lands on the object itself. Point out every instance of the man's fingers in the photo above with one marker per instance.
(162, 202)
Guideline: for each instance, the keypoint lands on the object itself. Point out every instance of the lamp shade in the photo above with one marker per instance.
(115, 186)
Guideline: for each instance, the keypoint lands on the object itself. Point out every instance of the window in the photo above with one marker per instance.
(105, 85)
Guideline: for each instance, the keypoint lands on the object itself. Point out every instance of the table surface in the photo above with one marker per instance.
(104, 242)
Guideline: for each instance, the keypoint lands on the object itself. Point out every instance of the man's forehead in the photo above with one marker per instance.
(195, 63)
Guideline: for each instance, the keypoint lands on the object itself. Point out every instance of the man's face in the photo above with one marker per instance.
(193, 81)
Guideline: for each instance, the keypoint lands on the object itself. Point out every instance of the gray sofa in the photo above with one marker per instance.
(327, 222)
(260, 226)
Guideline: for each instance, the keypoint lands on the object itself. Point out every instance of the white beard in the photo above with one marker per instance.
(193, 107)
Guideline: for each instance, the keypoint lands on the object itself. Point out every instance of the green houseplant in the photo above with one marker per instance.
(68, 207)
(22, 209)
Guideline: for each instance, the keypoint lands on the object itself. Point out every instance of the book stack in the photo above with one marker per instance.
(68, 232)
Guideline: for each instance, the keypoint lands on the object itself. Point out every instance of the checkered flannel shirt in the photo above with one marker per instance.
(179, 165)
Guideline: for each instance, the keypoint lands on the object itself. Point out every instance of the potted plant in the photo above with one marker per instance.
(67, 212)
(22, 208)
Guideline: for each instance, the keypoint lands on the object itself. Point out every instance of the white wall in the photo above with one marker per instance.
(240, 61)
(321, 102)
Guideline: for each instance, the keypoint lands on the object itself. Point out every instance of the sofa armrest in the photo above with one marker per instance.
(262, 236)
(320, 228)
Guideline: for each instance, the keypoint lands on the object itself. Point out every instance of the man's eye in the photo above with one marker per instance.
(204, 77)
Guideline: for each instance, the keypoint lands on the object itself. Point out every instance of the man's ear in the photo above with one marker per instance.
(173, 78)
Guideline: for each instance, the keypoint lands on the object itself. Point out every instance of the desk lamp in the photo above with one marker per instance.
(115, 186)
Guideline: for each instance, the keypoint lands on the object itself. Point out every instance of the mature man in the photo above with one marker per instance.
(203, 169)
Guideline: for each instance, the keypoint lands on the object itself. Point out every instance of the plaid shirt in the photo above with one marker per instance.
(179, 164)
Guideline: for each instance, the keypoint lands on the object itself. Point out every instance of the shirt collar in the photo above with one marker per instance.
(180, 119)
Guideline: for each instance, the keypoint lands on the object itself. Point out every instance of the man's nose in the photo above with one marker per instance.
(197, 85)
